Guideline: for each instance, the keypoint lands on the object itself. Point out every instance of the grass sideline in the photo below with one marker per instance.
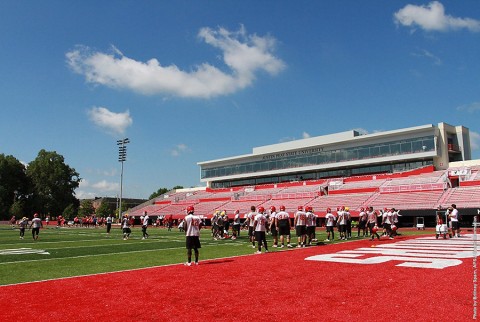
(67, 252)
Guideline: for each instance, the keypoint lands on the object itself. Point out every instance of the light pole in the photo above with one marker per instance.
(122, 157)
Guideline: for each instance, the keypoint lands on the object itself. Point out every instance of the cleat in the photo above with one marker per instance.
(187, 264)
(196, 263)
(258, 252)
(282, 246)
(327, 240)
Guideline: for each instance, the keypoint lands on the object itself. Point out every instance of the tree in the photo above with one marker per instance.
(70, 211)
(53, 182)
(159, 192)
(13, 186)
(104, 210)
(86, 208)
(162, 191)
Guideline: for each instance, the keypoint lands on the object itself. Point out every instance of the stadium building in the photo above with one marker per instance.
(416, 170)
(342, 154)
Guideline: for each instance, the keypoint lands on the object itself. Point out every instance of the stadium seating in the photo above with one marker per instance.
(417, 189)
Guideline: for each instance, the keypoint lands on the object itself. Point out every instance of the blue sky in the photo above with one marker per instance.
(190, 81)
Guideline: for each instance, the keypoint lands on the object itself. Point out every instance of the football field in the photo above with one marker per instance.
(93, 275)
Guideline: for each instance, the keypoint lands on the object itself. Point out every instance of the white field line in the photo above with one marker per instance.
(109, 254)
(93, 240)
(126, 270)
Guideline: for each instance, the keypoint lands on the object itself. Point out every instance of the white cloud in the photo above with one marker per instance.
(106, 186)
(244, 54)
(83, 184)
(305, 135)
(80, 194)
(432, 17)
(471, 108)
(115, 123)
(425, 53)
(179, 149)
(474, 140)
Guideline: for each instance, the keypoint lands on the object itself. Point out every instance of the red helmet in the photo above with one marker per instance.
(308, 208)
(300, 207)
(282, 208)
(237, 211)
(362, 209)
(272, 209)
(261, 209)
(190, 209)
(329, 209)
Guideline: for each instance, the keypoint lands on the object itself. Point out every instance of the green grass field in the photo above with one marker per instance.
(65, 252)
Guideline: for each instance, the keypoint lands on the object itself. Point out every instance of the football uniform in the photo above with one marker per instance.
(301, 223)
(283, 222)
(192, 231)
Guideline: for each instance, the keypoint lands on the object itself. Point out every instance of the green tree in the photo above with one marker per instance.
(86, 208)
(157, 193)
(104, 210)
(53, 181)
(19, 209)
(162, 191)
(70, 211)
(13, 186)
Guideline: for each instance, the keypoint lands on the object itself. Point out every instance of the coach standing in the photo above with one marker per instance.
(192, 233)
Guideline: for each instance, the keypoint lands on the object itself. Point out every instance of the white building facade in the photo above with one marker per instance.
(341, 155)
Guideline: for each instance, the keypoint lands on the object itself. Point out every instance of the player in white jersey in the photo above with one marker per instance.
(22, 225)
(273, 225)
(282, 221)
(109, 223)
(260, 222)
(395, 221)
(387, 223)
(342, 223)
(372, 218)
(35, 225)
(192, 233)
(454, 219)
(329, 224)
(236, 225)
(250, 218)
(300, 223)
(126, 227)
(348, 221)
(362, 223)
(146, 218)
(311, 224)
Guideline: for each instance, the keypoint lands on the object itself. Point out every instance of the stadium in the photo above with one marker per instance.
(416, 170)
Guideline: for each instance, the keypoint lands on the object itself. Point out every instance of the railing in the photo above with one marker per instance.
(414, 187)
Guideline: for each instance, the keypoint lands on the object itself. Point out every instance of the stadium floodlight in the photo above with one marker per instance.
(122, 157)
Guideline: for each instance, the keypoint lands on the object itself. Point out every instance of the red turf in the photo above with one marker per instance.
(266, 287)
